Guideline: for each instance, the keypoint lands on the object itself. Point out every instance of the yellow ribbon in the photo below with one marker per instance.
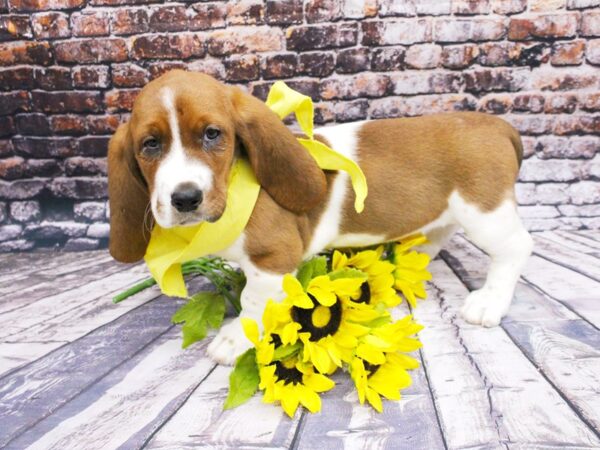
(169, 248)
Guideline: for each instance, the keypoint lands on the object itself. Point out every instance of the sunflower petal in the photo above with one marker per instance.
(339, 260)
(290, 401)
(374, 399)
(325, 298)
(318, 382)
(289, 334)
(370, 354)
(303, 301)
(310, 399)
(250, 330)
(291, 285)
(320, 358)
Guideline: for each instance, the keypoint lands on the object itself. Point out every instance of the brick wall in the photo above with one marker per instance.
(70, 69)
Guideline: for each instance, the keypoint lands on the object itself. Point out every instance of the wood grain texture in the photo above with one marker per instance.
(35, 391)
(577, 242)
(139, 395)
(77, 371)
(562, 254)
(578, 292)
(202, 423)
(17, 354)
(15, 263)
(345, 423)
(560, 344)
(43, 285)
(482, 378)
(44, 337)
(28, 274)
(591, 234)
(21, 319)
(568, 294)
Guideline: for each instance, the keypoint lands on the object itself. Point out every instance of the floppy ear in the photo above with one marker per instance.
(128, 197)
(284, 168)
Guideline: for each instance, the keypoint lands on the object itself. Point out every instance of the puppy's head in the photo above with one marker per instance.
(171, 162)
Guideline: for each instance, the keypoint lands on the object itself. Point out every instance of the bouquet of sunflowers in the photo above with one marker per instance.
(336, 315)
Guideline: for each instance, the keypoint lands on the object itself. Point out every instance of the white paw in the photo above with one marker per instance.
(485, 307)
(229, 343)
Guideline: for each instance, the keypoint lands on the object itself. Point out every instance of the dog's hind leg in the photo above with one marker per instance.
(437, 238)
(501, 234)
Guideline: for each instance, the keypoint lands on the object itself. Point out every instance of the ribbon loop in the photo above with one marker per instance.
(283, 101)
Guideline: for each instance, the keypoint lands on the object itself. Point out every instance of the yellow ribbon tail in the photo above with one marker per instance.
(329, 159)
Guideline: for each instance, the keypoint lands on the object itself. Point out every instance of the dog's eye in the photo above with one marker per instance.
(151, 146)
(211, 133)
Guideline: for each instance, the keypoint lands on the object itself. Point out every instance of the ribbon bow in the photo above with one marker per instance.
(169, 248)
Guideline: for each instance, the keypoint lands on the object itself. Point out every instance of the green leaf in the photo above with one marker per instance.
(243, 381)
(390, 252)
(286, 350)
(203, 311)
(310, 269)
(347, 273)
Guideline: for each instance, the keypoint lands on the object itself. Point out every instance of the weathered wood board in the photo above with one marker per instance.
(77, 371)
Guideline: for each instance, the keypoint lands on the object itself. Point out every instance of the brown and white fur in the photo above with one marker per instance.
(432, 174)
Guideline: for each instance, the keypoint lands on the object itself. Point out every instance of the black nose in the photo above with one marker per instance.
(186, 198)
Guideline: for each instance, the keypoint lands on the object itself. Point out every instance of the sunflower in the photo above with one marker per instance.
(286, 379)
(322, 323)
(379, 286)
(292, 382)
(379, 366)
(411, 269)
(386, 379)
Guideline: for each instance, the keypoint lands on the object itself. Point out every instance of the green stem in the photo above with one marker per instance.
(221, 274)
(134, 290)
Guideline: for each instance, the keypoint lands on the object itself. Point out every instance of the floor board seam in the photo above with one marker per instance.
(566, 266)
(486, 383)
(434, 403)
(565, 304)
(170, 416)
(16, 270)
(566, 399)
(36, 271)
(298, 431)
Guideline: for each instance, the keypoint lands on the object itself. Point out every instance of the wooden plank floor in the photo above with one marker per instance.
(78, 372)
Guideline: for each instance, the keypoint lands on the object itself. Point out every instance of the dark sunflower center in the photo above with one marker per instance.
(320, 321)
(276, 340)
(286, 371)
(371, 368)
(365, 293)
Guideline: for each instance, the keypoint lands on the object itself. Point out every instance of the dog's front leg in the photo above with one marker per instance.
(230, 341)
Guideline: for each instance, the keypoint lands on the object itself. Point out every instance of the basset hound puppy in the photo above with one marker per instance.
(169, 164)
